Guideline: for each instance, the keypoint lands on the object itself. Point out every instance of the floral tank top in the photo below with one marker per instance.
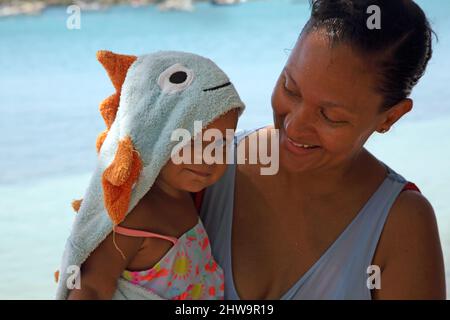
(187, 271)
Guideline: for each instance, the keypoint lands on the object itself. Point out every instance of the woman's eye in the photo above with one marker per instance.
(289, 91)
(176, 78)
(331, 120)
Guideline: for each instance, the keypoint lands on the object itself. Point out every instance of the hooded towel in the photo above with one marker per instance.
(155, 94)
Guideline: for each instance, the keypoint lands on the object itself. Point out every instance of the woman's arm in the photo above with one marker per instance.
(410, 252)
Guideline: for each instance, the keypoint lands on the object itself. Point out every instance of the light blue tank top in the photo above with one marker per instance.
(340, 273)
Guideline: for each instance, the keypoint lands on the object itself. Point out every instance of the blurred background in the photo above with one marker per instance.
(51, 85)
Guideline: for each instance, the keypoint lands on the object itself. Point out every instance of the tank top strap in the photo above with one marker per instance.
(143, 234)
(371, 220)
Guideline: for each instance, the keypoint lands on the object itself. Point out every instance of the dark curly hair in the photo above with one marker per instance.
(399, 50)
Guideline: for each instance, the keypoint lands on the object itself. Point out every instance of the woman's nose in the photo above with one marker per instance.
(300, 118)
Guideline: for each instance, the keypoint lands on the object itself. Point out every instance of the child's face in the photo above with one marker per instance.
(195, 177)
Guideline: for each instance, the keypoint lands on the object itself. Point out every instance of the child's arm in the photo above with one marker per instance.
(102, 269)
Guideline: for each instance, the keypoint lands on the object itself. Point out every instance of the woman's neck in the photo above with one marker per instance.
(330, 181)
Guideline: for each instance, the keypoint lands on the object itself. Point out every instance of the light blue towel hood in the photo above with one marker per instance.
(153, 103)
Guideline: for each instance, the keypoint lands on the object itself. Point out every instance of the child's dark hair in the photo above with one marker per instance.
(399, 50)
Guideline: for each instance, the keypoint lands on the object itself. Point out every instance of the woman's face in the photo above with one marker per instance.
(195, 177)
(325, 106)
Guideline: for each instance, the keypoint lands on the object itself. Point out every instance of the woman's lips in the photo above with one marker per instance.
(199, 173)
(299, 148)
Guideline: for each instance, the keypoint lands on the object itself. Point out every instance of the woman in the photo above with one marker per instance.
(334, 222)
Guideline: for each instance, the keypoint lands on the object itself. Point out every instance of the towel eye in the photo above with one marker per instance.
(178, 77)
(175, 79)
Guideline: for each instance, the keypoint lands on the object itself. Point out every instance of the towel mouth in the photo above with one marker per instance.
(218, 87)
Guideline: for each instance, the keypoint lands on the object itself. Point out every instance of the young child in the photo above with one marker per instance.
(137, 234)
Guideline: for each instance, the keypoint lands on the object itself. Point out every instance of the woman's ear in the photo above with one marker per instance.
(395, 113)
(118, 180)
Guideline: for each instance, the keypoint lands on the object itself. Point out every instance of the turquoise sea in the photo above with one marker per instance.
(51, 85)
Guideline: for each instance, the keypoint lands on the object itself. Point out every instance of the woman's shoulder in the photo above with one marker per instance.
(411, 210)
(410, 201)
(410, 251)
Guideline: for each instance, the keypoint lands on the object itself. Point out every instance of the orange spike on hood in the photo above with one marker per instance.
(118, 180)
(116, 66)
(108, 109)
(100, 139)
(76, 204)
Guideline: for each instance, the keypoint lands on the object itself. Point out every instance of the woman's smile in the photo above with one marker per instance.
(298, 149)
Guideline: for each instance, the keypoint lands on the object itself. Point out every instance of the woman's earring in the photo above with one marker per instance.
(384, 130)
